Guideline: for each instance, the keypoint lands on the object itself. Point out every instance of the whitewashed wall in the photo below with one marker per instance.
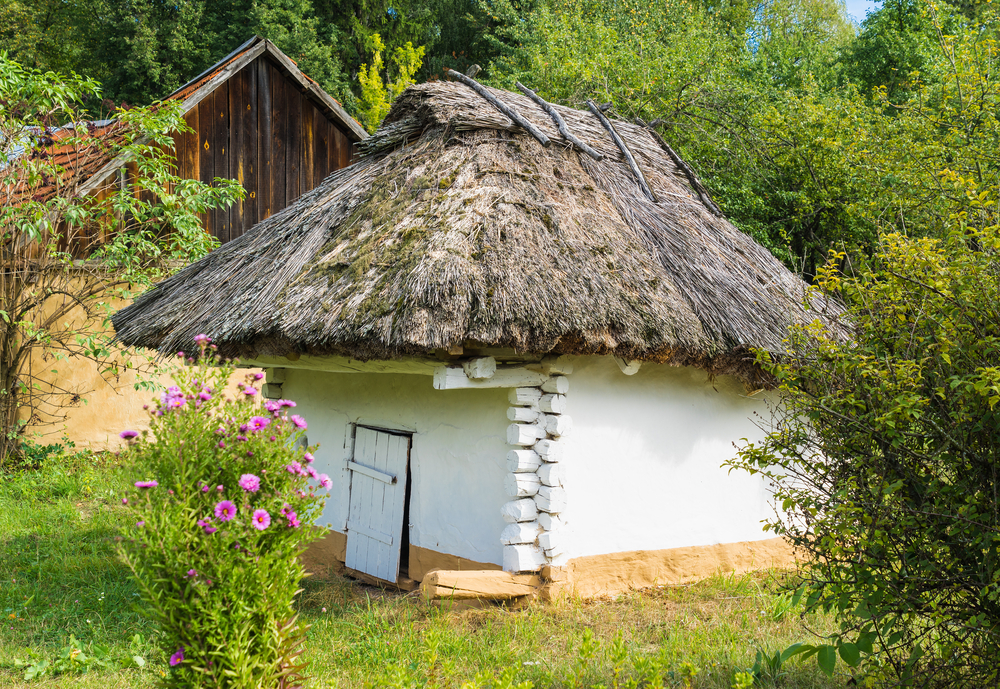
(642, 468)
(458, 458)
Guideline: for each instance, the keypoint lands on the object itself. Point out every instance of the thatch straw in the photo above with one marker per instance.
(457, 228)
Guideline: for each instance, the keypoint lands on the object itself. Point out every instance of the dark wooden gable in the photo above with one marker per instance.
(256, 118)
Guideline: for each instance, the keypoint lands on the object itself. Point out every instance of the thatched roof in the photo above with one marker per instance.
(457, 228)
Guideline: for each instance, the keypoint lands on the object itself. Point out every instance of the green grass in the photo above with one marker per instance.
(59, 577)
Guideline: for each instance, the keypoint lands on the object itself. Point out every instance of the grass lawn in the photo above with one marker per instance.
(59, 577)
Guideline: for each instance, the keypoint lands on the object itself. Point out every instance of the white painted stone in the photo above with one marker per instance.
(455, 378)
(553, 404)
(522, 558)
(480, 368)
(558, 425)
(522, 510)
(520, 532)
(556, 384)
(547, 540)
(628, 366)
(548, 499)
(522, 414)
(524, 397)
(549, 450)
(524, 434)
(557, 365)
(521, 485)
(523, 461)
(559, 560)
(549, 522)
(550, 474)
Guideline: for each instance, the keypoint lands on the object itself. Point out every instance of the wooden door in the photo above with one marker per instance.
(378, 493)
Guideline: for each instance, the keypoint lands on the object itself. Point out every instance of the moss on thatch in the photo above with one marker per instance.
(457, 227)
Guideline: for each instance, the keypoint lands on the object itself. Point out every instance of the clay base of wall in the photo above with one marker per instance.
(591, 576)
(614, 573)
(423, 561)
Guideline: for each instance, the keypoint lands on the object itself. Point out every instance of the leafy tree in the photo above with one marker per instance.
(40, 33)
(377, 96)
(66, 249)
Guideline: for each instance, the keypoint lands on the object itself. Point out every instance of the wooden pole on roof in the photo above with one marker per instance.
(560, 122)
(624, 149)
(500, 105)
(703, 194)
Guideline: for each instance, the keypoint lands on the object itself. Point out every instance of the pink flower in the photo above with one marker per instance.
(191, 574)
(225, 510)
(202, 338)
(293, 468)
(249, 391)
(286, 403)
(325, 481)
(128, 435)
(146, 484)
(298, 421)
(258, 376)
(140, 524)
(204, 396)
(308, 457)
(312, 472)
(261, 520)
(178, 657)
(222, 444)
(257, 423)
(172, 398)
(249, 483)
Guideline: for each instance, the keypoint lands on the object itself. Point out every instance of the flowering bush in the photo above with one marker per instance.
(224, 504)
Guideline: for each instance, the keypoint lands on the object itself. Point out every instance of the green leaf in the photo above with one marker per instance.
(827, 659)
(849, 653)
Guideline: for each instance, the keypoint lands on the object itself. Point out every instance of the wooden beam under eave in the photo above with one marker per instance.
(455, 378)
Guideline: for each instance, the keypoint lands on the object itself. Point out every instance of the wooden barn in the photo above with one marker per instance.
(258, 119)
(517, 350)
(255, 118)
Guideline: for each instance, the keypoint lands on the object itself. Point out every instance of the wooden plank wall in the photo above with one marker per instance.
(260, 129)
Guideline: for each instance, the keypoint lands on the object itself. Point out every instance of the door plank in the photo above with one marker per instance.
(378, 516)
(364, 531)
(374, 473)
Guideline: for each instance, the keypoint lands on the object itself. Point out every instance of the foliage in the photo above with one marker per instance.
(223, 509)
(885, 455)
(377, 95)
(66, 250)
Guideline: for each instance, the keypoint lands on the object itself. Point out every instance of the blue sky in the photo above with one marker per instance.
(858, 8)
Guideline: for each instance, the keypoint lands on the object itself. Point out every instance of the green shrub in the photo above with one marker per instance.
(223, 508)
(885, 457)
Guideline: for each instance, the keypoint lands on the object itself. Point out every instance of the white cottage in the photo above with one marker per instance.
(517, 349)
